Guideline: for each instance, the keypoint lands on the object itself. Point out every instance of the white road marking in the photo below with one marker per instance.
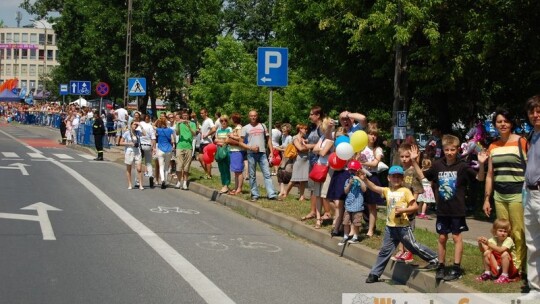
(36, 155)
(87, 156)
(42, 217)
(10, 154)
(71, 161)
(62, 156)
(12, 159)
(200, 283)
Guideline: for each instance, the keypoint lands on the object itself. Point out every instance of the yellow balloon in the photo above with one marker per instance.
(359, 140)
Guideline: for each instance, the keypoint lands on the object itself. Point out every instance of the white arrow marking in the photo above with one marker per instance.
(74, 88)
(42, 217)
(17, 166)
(264, 79)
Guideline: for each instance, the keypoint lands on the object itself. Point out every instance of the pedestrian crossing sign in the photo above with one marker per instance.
(137, 86)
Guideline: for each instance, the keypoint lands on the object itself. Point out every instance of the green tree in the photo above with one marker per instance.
(250, 21)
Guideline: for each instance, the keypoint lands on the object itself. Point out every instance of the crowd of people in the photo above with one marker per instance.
(350, 194)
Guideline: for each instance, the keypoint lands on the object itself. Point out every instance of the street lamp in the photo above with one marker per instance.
(44, 55)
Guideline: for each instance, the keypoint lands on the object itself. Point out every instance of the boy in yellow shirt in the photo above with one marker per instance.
(399, 203)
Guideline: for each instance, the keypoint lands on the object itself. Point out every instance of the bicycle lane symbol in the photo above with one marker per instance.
(214, 245)
(165, 210)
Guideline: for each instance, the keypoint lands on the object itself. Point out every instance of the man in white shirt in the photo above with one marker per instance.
(207, 130)
(75, 125)
(122, 117)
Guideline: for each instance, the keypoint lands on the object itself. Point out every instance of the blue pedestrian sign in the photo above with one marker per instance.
(137, 86)
(272, 67)
(78, 87)
(64, 90)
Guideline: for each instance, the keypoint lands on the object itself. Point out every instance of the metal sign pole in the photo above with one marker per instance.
(270, 113)
(100, 105)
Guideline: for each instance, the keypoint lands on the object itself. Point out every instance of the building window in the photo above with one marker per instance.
(24, 70)
(24, 38)
(32, 84)
(16, 38)
(8, 53)
(49, 39)
(24, 54)
(8, 69)
(33, 38)
(32, 70)
(40, 69)
(15, 70)
(9, 38)
(33, 54)
(49, 54)
(41, 38)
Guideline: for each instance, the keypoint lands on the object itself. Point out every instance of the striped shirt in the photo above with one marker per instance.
(508, 171)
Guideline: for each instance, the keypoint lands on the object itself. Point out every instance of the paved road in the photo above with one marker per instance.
(101, 243)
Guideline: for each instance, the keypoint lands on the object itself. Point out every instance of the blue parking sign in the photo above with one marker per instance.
(272, 67)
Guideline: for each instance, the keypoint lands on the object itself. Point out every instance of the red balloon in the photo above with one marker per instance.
(208, 158)
(276, 160)
(335, 162)
(211, 149)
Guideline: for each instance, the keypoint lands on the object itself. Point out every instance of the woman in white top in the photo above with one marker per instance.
(131, 141)
(370, 158)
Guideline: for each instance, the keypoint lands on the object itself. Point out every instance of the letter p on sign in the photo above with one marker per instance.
(268, 64)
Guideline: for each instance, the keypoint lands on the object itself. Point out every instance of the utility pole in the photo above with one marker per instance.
(127, 67)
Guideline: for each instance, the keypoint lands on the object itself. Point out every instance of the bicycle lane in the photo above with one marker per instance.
(247, 259)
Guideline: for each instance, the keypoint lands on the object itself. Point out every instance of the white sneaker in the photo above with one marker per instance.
(184, 187)
(178, 184)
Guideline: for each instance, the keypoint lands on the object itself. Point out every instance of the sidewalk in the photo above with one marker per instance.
(398, 272)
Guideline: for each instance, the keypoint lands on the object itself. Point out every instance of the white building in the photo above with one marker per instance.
(24, 51)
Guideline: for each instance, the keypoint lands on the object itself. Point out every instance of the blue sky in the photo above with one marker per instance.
(8, 11)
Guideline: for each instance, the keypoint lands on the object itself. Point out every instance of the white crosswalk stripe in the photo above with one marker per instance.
(62, 156)
(46, 157)
(10, 154)
(87, 156)
(36, 155)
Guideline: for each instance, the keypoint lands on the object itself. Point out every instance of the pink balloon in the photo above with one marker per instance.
(335, 162)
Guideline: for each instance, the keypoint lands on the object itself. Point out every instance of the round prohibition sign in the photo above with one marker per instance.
(102, 89)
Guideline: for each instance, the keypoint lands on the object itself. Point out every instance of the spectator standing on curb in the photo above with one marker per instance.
(207, 130)
(258, 139)
(316, 116)
(185, 131)
(224, 163)
(75, 125)
(412, 182)
(300, 171)
(399, 203)
(98, 129)
(532, 201)
(354, 190)
(236, 154)
(276, 137)
(111, 128)
(370, 158)
(504, 178)
(451, 176)
(121, 118)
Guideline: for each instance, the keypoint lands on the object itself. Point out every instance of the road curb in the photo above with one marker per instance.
(400, 272)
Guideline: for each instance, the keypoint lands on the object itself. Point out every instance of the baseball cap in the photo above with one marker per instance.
(395, 170)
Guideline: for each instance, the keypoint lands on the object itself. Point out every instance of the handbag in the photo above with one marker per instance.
(290, 151)
(381, 167)
(318, 173)
(222, 153)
